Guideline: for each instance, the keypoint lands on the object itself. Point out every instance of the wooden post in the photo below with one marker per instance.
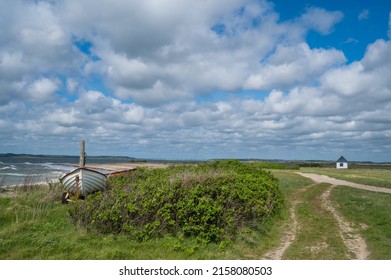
(82, 153)
(77, 187)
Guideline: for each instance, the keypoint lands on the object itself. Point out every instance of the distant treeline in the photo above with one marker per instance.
(290, 165)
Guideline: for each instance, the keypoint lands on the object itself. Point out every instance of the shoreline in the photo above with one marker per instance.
(107, 168)
(11, 190)
(40, 183)
(122, 166)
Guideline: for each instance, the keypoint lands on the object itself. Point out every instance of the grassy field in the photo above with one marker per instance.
(289, 182)
(35, 225)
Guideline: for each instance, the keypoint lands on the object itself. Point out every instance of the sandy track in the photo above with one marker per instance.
(290, 234)
(355, 243)
(125, 166)
(287, 239)
(336, 182)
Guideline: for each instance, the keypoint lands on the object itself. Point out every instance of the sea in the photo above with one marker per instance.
(16, 169)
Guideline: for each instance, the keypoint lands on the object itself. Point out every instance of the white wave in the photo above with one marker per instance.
(58, 166)
(12, 167)
(36, 163)
(51, 165)
(13, 174)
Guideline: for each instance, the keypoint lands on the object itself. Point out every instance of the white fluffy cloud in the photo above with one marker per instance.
(42, 90)
(290, 65)
(184, 56)
(185, 79)
(321, 20)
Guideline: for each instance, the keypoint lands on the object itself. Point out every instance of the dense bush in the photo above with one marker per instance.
(212, 201)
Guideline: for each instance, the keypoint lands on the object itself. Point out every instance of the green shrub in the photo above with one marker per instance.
(212, 201)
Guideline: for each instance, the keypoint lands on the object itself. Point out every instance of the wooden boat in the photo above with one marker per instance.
(83, 181)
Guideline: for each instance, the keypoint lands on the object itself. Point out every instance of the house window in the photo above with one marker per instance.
(341, 164)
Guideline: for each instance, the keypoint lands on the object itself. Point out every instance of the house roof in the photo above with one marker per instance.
(342, 159)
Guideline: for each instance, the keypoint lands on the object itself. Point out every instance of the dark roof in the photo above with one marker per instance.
(342, 159)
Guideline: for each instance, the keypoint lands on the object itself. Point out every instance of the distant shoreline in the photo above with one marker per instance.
(122, 166)
(105, 168)
(127, 159)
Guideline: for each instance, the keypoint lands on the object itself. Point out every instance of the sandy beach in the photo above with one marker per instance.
(124, 166)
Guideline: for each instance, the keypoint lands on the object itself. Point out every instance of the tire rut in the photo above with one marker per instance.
(290, 235)
(355, 243)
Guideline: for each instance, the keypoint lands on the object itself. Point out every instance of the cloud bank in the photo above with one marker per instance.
(187, 79)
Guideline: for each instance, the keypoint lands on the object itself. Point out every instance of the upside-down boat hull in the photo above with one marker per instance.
(88, 181)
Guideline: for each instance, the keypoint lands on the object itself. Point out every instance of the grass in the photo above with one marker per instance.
(289, 182)
(36, 229)
(366, 176)
(370, 212)
(318, 237)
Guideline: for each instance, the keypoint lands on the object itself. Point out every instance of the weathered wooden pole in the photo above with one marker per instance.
(82, 153)
(77, 187)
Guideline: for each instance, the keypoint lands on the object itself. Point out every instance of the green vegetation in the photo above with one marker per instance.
(290, 182)
(366, 176)
(370, 212)
(212, 202)
(35, 225)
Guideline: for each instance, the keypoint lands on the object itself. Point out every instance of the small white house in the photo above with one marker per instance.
(342, 163)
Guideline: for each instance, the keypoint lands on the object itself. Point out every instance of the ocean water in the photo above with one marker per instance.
(16, 173)
(20, 169)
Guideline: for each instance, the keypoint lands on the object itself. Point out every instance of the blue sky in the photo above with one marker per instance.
(174, 79)
(363, 22)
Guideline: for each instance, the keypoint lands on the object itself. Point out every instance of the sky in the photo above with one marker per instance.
(174, 79)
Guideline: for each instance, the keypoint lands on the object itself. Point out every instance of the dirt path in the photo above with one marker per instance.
(293, 227)
(336, 182)
(355, 243)
(288, 238)
(351, 238)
